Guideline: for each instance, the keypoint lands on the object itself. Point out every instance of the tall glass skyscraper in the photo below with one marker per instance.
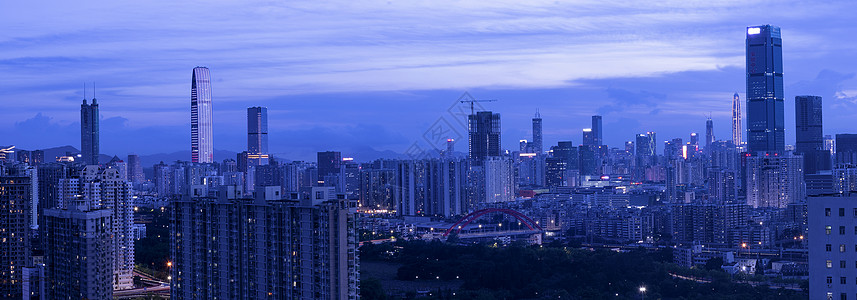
(537, 134)
(765, 103)
(597, 133)
(257, 135)
(201, 136)
(709, 133)
(89, 132)
(809, 137)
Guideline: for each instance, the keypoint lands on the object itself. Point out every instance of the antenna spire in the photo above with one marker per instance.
(93, 92)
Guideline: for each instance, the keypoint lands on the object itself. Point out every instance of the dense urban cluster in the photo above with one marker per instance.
(257, 226)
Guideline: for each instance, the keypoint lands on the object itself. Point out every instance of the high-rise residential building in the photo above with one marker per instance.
(709, 133)
(201, 121)
(15, 221)
(135, 169)
(597, 131)
(774, 181)
(89, 132)
(765, 98)
(79, 247)
(97, 188)
(163, 179)
(264, 247)
(257, 135)
(830, 144)
(499, 179)
(377, 187)
(328, 163)
(831, 222)
(450, 148)
(846, 148)
(809, 137)
(537, 134)
(49, 176)
(484, 136)
(737, 128)
(432, 187)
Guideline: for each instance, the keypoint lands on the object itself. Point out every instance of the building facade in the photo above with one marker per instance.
(89, 132)
(765, 98)
(832, 247)
(201, 120)
(239, 247)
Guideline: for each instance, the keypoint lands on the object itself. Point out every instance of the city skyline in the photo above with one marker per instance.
(430, 139)
(705, 66)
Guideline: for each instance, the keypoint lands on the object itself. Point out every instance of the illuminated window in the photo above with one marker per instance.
(829, 264)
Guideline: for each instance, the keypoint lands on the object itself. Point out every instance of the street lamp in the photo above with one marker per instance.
(643, 292)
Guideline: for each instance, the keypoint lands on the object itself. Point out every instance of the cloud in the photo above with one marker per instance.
(623, 99)
(677, 56)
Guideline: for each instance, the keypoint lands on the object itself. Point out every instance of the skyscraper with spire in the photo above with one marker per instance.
(765, 98)
(537, 133)
(89, 131)
(737, 129)
(201, 136)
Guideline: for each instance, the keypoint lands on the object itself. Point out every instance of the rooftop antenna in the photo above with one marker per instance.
(93, 92)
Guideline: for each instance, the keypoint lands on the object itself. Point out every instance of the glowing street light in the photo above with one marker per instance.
(643, 292)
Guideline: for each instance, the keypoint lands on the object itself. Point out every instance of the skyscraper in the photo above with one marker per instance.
(830, 262)
(101, 189)
(484, 133)
(709, 133)
(588, 137)
(328, 163)
(267, 247)
(765, 98)
(89, 132)
(15, 208)
(135, 169)
(78, 253)
(809, 138)
(846, 148)
(201, 136)
(597, 132)
(537, 134)
(737, 129)
(257, 135)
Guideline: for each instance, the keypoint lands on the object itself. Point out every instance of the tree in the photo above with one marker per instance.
(714, 264)
(371, 289)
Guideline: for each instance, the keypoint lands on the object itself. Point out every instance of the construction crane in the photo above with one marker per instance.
(467, 98)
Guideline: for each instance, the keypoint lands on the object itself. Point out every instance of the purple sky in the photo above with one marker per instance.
(358, 76)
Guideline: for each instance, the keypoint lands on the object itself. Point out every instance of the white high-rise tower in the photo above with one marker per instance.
(737, 137)
(201, 136)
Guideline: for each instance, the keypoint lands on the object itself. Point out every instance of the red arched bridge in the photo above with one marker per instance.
(532, 225)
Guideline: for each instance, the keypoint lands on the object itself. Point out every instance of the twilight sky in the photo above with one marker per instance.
(365, 76)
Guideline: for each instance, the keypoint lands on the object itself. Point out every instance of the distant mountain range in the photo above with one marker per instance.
(361, 154)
